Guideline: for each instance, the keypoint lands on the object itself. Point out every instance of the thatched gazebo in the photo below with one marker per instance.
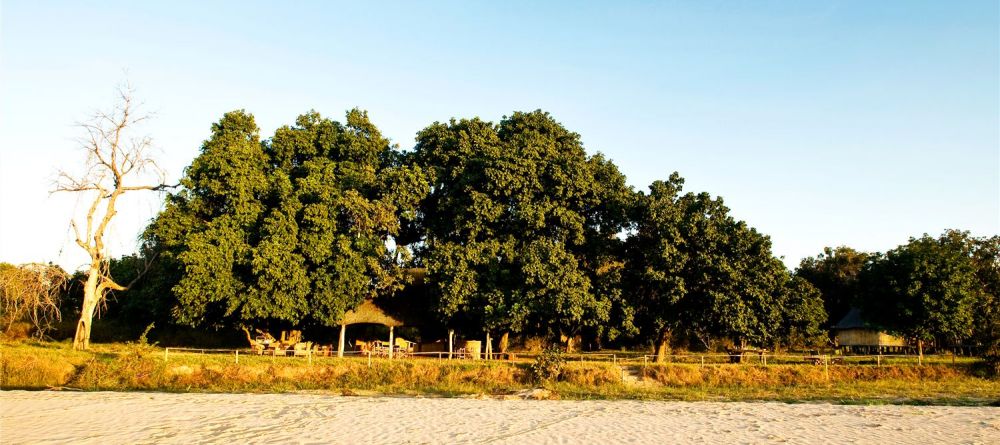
(367, 312)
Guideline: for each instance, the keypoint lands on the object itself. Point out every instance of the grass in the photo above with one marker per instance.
(130, 367)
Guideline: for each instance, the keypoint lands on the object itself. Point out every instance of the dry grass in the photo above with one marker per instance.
(679, 375)
(38, 365)
(33, 365)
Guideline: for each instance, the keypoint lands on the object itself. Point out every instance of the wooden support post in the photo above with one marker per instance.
(340, 347)
(392, 343)
(826, 367)
(451, 340)
(489, 348)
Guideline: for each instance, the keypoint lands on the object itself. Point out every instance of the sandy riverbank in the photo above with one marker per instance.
(103, 417)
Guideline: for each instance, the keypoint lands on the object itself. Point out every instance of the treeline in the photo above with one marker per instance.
(509, 228)
(942, 291)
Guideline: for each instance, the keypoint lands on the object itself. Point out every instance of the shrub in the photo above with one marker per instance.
(548, 365)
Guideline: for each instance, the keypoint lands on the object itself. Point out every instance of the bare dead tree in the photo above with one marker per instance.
(116, 163)
(31, 294)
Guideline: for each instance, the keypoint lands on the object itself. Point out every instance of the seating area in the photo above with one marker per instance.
(401, 348)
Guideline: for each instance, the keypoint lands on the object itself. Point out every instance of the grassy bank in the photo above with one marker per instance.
(131, 367)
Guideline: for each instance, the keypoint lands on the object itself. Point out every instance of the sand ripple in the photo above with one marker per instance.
(136, 418)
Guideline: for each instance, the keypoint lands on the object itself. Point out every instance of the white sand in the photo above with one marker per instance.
(104, 417)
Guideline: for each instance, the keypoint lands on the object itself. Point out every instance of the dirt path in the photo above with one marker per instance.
(110, 418)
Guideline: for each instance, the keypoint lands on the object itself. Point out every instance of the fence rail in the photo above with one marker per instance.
(618, 358)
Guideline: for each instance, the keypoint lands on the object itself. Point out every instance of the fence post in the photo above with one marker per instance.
(237, 356)
(879, 360)
(827, 367)
(643, 366)
(702, 361)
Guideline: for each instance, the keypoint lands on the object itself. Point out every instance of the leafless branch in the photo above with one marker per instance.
(31, 293)
(116, 163)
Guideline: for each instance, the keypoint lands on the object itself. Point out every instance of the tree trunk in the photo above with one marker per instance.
(570, 347)
(504, 342)
(91, 297)
(663, 346)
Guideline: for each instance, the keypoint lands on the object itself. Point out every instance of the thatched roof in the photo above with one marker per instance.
(855, 320)
(368, 312)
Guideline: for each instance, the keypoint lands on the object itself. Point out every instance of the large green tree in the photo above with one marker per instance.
(297, 228)
(519, 224)
(697, 270)
(986, 258)
(926, 289)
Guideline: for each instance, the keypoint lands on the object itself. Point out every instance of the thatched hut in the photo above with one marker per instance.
(855, 334)
(367, 312)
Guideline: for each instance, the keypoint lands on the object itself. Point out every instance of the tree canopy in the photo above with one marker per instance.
(696, 270)
(519, 223)
(515, 228)
(924, 289)
(294, 228)
(835, 273)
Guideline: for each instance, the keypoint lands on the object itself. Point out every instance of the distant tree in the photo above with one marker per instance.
(986, 324)
(925, 289)
(295, 229)
(835, 274)
(698, 270)
(116, 163)
(149, 299)
(32, 294)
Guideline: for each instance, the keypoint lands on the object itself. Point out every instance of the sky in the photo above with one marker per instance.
(820, 123)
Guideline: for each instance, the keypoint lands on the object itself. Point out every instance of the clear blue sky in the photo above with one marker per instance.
(855, 123)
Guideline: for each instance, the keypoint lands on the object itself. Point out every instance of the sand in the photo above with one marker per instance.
(135, 418)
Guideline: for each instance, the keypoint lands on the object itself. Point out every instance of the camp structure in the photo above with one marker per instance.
(855, 334)
(367, 312)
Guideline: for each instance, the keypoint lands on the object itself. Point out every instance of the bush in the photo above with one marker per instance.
(548, 366)
(989, 367)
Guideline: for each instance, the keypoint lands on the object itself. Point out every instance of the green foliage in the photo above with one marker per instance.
(986, 317)
(548, 366)
(925, 289)
(835, 274)
(697, 270)
(520, 231)
(803, 316)
(519, 226)
(292, 229)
